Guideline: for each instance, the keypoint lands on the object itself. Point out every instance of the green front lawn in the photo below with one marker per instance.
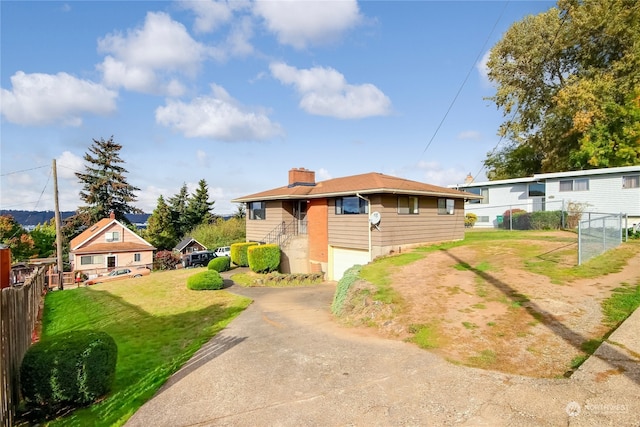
(157, 323)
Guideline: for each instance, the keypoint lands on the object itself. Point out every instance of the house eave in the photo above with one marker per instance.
(370, 191)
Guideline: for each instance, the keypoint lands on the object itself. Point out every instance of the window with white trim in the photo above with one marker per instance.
(483, 218)
(351, 205)
(581, 184)
(408, 205)
(537, 189)
(257, 210)
(112, 236)
(91, 259)
(484, 192)
(446, 206)
(631, 181)
(137, 257)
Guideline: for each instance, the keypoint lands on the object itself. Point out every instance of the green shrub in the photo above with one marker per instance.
(239, 253)
(71, 369)
(342, 289)
(470, 219)
(507, 222)
(165, 260)
(545, 220)
(264, 258)
(220, 264)
(205, 280)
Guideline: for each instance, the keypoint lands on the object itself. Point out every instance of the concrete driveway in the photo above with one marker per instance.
(284, 362)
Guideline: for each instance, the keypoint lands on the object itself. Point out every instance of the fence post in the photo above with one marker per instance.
(604, 235)
(510, 219)
(579, 242)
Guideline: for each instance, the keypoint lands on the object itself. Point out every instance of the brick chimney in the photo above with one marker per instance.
(301, 176)
(468, 179)
(112, 215)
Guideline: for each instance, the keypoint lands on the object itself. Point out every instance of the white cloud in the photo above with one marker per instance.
(434, 173)
(41, 99)
(147, 197)
(142, 59)
(203, 158)
(483, 69)
(325, 92)
(322, 175)
(303, 23)
(209, 14)
(68, 164)
(238, 41)
(469, 134)
(217, 117)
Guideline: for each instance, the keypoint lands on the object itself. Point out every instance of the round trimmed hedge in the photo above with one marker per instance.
(74, 368)
(220, 264)
(205, 280)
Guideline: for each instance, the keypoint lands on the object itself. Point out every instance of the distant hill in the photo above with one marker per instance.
(29, 219)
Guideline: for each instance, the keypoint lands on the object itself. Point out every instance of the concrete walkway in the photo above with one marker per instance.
(284, 362)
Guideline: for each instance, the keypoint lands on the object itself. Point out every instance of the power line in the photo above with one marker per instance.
(23, 170)
(473, 65)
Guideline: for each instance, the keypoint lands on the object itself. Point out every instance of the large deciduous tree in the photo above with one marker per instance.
(105, 186)
(568, 83)
(44, 239)
(16, 238)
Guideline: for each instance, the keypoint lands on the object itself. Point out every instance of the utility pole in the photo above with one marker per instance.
(58, 227)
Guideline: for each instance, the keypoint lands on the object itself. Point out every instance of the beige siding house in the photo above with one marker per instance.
(332, 225)
(106, 245)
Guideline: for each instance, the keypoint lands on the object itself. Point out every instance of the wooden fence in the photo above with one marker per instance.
(19, 311)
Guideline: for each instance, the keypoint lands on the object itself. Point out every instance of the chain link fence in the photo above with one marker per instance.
(597, 233)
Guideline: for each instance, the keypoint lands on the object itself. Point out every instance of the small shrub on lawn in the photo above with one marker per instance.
(166, 260)
(205, 280)
(470, 220)
(545, 220)
(220, 264)
(71, 369)
(264, 258)
(349, 278)
(239, 253)
(507, 223)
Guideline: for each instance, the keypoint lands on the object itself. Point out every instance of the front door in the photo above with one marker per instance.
(302, 216)
(111, 261)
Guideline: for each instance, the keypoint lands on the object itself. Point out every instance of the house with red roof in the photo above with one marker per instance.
(332, 225)
(106, 245)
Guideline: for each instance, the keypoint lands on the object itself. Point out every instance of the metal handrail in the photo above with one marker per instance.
(281, 234)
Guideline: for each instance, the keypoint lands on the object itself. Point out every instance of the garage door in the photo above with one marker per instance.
(342, 259)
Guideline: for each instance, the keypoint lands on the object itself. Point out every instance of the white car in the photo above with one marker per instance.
(223, 251)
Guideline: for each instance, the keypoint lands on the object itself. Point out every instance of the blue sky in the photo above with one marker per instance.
(240, 92)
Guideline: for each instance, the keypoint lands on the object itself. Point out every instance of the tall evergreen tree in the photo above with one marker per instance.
(178, 204)
(160, 231)
(105, 187)
(199, 210)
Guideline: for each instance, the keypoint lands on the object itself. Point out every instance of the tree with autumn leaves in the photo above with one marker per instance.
(568, 83)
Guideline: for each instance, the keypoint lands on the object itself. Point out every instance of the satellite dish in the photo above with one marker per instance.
(374, 218)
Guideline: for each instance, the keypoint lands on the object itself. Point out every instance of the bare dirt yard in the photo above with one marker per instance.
(515, 305)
